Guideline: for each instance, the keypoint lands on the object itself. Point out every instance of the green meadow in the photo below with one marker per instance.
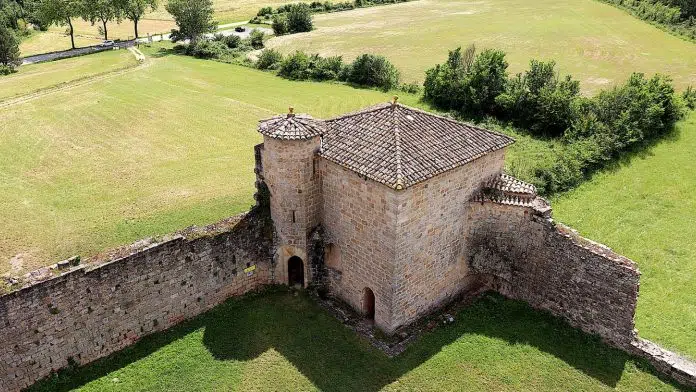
(598, 44)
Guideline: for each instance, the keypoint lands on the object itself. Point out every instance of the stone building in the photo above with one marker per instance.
(388, 195)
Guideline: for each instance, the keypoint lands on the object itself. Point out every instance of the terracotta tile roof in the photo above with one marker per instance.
(291, 127)
(505, 189)
(400, 146)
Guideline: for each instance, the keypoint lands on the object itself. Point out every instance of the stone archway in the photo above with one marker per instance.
(296, 272)
(368, 304)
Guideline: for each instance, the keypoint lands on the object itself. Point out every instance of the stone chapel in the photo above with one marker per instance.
(414, 209)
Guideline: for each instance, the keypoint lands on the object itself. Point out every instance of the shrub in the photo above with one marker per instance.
(374, 71)
(256, 39)
(232, 41)
(328, 68)
(269, 59)
(6, 70)
(280, 25)
(205, 49)
(411, 88)
(265, 11)
(300, 18)
(466, 82)
(539, 100)
(295, 66)
(689, 96)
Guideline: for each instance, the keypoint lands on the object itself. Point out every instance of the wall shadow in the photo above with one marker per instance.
(334, 358)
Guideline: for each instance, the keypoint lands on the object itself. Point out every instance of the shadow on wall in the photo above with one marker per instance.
(333, 358)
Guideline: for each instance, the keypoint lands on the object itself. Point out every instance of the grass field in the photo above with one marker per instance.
(34, 77)
(143, 153)
(285, 342)
(646, 210)
(597, 43)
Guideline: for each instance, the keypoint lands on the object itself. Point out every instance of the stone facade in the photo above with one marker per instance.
(92, 311)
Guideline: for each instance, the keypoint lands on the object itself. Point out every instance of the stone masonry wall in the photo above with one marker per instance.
(92, 311)
(359, 218)
(431, 221)
(530, 258)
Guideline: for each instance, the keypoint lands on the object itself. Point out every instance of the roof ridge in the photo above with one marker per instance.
(399, 185)
(453, 120)
(368, 109)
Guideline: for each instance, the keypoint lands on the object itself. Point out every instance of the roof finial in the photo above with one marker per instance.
(395, 99)
(290, 112)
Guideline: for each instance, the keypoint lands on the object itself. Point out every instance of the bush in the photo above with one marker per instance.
(299, 18)
(280, 25)
(539, 100)
(6, 70)
(232, 41)
(466, 82)
(265, 11)
(205, 49)
(269, 59)
(328, 68)
(295, 66)
(256, 39)
(411, 88)
(374, 71)
(689, 97)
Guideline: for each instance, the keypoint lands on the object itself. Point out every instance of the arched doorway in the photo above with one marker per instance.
(295, 271)
(368, 304)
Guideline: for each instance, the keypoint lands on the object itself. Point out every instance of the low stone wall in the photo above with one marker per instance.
(526, 256)
(91, 311)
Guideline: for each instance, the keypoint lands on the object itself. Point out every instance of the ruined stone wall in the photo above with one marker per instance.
(359, 218)
(431, 222)
(92, 311)
(530, 258)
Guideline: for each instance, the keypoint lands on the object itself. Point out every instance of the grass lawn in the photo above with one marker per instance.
(140, 154)
(646, 210)
(283, 342)
(34, 77)
(595, 42)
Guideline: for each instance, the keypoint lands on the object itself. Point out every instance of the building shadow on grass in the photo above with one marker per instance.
(334, 358)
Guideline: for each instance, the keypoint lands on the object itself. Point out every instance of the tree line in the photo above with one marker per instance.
(15, 14)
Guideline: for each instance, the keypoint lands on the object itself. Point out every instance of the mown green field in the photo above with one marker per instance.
(595, 42)
(646, 209)
(284, 342)
(33, 77)
(145, 153)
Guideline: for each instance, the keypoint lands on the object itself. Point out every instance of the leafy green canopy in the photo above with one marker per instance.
(194, 18)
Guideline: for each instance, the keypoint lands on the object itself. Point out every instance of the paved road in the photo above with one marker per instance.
(227, 29)
(40, 58)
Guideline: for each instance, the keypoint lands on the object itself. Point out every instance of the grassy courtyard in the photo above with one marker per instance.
(597, 43)
(284, 342)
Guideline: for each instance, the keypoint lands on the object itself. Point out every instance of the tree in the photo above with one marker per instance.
(193, 17)
(100, 11)
(9, 49)
(60, 12)
(135, 9)
(300, 18)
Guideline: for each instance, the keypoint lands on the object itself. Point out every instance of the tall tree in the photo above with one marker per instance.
(193, 17)
(102, 11)
(135, 9)
(60, 12)
(9, 48)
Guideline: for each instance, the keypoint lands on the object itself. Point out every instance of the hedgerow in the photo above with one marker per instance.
(592, 131)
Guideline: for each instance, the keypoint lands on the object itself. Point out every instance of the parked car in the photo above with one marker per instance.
(240, 29)
(107, 43)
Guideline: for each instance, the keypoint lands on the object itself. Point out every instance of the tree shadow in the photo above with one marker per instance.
(334, 358)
